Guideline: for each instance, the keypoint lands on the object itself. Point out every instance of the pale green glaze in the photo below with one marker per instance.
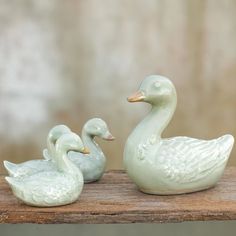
(33, 166)
(175, 165)
(56, 187)
(55, 133)
(92, 165)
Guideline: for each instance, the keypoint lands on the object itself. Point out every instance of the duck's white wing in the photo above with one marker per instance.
(187, 160)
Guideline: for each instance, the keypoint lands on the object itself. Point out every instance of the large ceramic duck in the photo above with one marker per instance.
(60, 186)
(92, 165)
(173, 165)
(33, 166)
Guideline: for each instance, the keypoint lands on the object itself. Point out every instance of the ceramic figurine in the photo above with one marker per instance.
(173, 165)
(92, 165)
(55, 133)
(34, 166)
(56, 187)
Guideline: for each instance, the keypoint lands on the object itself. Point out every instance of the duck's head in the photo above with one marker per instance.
(154, 89)
(98, 127)
(57, 131)
(71, 142)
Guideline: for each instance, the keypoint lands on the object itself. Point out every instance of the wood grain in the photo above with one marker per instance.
(115, 199)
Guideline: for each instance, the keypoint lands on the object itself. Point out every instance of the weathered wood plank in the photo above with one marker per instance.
(115, 199)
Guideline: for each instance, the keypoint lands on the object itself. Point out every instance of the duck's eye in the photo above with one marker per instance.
(157, 84)
(97, 128)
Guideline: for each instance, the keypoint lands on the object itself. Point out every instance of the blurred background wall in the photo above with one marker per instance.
(68, 61)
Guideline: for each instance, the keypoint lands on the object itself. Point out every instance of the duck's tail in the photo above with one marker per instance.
(226, 144)
(15, 185)
(10, 167)
(12, 182)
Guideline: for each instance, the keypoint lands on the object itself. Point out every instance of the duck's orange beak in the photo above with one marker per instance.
(136, 97)
(86, 151)
(109, 137)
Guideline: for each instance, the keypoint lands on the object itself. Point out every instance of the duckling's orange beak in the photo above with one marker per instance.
(136, 97)
(85, 151)
(110, 137)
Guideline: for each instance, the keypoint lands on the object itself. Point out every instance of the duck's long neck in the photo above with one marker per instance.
(89, 142)
(152, 126)
(64, 164)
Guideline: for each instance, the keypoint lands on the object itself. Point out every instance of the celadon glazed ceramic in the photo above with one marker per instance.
(173, 165)
(60, 186)
(92, 165)
(33, 166)
(54, 134)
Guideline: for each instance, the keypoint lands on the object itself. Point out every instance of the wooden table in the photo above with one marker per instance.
(115, 199)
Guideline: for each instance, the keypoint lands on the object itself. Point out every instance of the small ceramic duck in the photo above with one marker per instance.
(174, 165)
(34, 166)
(56, 187)
(54, 134)
(92, 165)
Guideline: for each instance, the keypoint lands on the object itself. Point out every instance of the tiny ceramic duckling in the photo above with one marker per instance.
(174, 165)
(92, 165)
(56, 187)
(34, 166)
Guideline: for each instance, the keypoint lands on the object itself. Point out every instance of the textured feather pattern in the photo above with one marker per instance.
(185, 159)
(47, 188)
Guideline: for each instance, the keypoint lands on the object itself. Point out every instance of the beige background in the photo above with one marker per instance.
(68, 61)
